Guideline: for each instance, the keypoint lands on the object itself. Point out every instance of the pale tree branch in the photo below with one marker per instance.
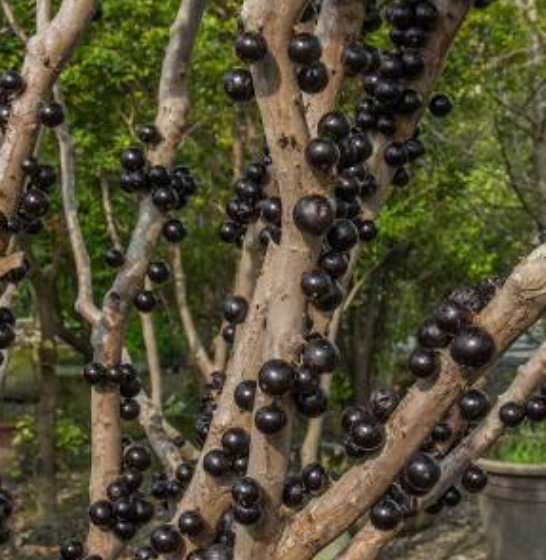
(12, 21)
(516, 306)
(47, 53)
(197, 350)
(369, 542)
(109, 213)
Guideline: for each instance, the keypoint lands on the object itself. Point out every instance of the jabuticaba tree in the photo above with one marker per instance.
(302, 214)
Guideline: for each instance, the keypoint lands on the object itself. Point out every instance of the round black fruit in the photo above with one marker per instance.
(314, 477)
(367, 229)
(316, 284)
(383, 403)
(313, 214)
(293, 492)
(474, 479)
(320, 355)
(236, 441)
(276, 377)
(250, 46)
(313, 78)
(304, 48)
(472, 347)
(322, 153)
(138, 457)
(440, 105)
(190, 523)
(431, 335)
(235, 309)
(101, 513)
(535, 408)
(247, 514)
(342, 236)
(174, 231)
(238, 85)
(367, 434)
(132, 159)
(386, 515)
(270, 419)
(158, 271)
(114, 258)
(422, 471)
(244, 395)
(334, 125)
(512, 414)
(474, 405)
(452, 317)
(51, 114)
(145, 301)
(165, 539)
(217, 462)
(424, 363)
(246, 491)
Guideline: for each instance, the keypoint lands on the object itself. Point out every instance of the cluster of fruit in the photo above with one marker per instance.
(251, 203)
(123, 376)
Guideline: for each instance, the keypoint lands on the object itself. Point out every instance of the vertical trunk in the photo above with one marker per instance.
(365, 331)
(46, 480)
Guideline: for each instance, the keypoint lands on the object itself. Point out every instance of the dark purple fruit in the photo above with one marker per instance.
(342, 236)
(246, 491)
(101, 513)
(334, 125)
(174, 231)
(247, 514)
(191, 523)
(145, 301)
(129, 409)
(11, 82)
(114, 258)
(149, 134)
(235, 309)
(474, 405)
(137, 457)
(293, 492)
(386, 515)
(472, 347)
(304, 48)
(440, 105)
(430, 335)
(217, 462)
(250, 46)
(367, 434)
(334, 263)
(236, 441)
(132, 159)
(320, 355)
(422, 472)
(158, 271)
(512, 414)
(535, 409)
(51, 114)
(313, 78)
(322, 153)
(316, 284)
(276, 377)
(270, 419)
(165, 539)
(95, 373)
(35, 203)
(238, 85)
(474, 479)
(452, 317)
(244, 395)
(383, 403)
(367, 229)
(314, 477)
(313, 214)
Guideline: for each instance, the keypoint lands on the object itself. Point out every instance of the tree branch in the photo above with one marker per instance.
(516, 306)
(12, 21)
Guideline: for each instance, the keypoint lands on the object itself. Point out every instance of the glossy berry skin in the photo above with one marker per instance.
(276, 377)
(314, 477)
(367, 434)
(132, 159)
(304, 48)
(313, 79)
(144, 553)
(72, 550)
(247, 514)
(101, 513)
(144, 511)
(535, 409)
(386, 515)
(474, 479)
(334, 125)
(367, 229)
(184, 472)
(342, 236)
(512, 414)
(149, 134)
(51, 114)
(217, 462)
(383, 403)
(322, 153)
(270, 419)
(138, 457)
(114, 258)
(396, 154)
(293, 492)
(190, 523)
(271, 210)
(145, 301)
(424, 363)
(452, 497)
(244, 395)
(235, 309)
(306, 381)
(11, 82)
(316, 284)
(129, 409)
(312, 405)
(246, 491)
(238, 85)
(320, 355)
(165, 539)
(474, 405)
(334, 263)
(354, 414)
(35, 203)
(117, 490)
(355, 59)
(95, 373)
(313, 214)
(472, 347)
(250, 46)
(422, 472)
(451, 317)
(165, 198)
(7, 316)
(174, 231)
(333, 300)
(440, 105)
(158, 271)
(430, 335)
(236, 442)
